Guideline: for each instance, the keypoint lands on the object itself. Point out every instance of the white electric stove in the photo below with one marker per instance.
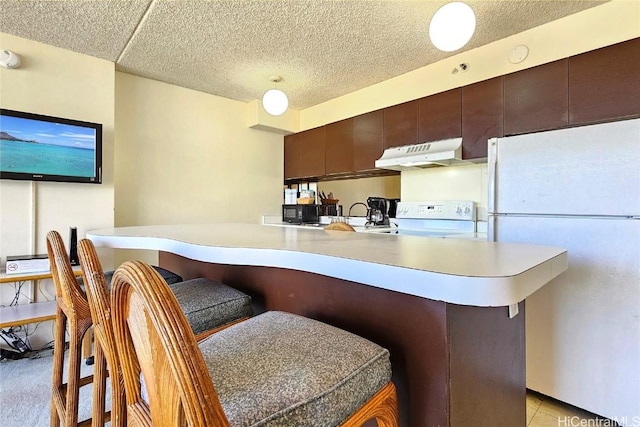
(438, 218)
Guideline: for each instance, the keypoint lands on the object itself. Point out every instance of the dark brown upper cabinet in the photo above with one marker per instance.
(367, 140)
(601, 85)
(401, 124)
(339, 147)
(537, 98)
(291, 157)
(312, 149)
(440, 116)
(482, 116)
(604, 84)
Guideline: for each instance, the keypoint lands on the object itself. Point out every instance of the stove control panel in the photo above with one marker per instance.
(438, 209)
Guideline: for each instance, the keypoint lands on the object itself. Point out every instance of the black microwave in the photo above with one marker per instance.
(300, 214)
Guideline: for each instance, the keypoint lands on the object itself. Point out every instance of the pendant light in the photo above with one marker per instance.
(452, 26)
(275, 101)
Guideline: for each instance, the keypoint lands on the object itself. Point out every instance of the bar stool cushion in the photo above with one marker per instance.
(169, 276)
(313, 387)
(208, 304)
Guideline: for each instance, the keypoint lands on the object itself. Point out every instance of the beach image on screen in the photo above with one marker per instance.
(39, 147)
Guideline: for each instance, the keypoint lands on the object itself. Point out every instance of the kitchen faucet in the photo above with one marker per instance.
(355, 204)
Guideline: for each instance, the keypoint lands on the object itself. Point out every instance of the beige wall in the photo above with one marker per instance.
(59, 83)
(188, 157)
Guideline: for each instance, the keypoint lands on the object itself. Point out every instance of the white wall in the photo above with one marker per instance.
(184, 156)
(59, 83)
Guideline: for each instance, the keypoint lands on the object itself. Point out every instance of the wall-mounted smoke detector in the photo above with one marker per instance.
(518, 54)
(9, 59)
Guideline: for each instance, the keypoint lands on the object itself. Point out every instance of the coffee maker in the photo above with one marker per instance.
(378, 212)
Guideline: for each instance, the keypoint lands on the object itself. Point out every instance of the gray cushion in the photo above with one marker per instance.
(168, 276)
(208, 304)
(279, 369)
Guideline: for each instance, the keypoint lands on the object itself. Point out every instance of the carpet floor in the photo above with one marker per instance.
(25, 391)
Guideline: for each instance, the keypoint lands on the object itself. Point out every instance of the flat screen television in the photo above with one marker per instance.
(43, 148)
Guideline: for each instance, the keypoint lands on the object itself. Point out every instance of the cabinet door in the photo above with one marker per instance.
(482, 116)
(401, 124)
(312, 148)
(537, 98)
(604, 84)
(291, 157)
(367, 140)
(439, 116)
(339, 147)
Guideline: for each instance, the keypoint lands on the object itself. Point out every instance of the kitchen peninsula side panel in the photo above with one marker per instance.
(453, 365)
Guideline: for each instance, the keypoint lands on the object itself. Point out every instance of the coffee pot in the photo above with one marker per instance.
(378, 212)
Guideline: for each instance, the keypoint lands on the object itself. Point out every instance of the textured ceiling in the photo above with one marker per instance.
(322, 48)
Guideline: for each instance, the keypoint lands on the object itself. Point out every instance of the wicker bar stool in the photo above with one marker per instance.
(169, 276)
(273, 369)
(209, 307)
(72, 309)
(207, 304)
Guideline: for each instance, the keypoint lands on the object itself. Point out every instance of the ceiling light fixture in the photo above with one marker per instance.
(452, 26)
(275, 101)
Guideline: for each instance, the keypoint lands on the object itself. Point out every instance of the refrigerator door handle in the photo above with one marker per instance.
(491, 228)
(492, 165)
(492, 174)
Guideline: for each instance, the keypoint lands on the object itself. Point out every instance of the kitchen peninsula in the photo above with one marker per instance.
(439, 305)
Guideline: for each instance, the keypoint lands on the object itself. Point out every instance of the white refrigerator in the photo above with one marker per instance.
(578, 188)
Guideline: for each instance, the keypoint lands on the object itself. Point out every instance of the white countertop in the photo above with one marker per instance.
(459, 271)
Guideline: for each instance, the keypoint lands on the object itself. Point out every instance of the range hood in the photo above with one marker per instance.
(447, 152)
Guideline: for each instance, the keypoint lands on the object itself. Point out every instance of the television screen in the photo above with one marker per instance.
(43, 148)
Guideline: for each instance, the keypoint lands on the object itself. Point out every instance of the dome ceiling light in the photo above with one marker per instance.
(275, 101)
(452, 26)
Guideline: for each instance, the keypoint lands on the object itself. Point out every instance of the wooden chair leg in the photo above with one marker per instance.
(99, 386)
(73, 375)
(118, 403)
(58, 364)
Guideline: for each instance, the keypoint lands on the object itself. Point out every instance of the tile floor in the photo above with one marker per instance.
(543, 411)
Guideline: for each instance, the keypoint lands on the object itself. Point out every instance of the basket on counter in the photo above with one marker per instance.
(306, 201)
(329, 201)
